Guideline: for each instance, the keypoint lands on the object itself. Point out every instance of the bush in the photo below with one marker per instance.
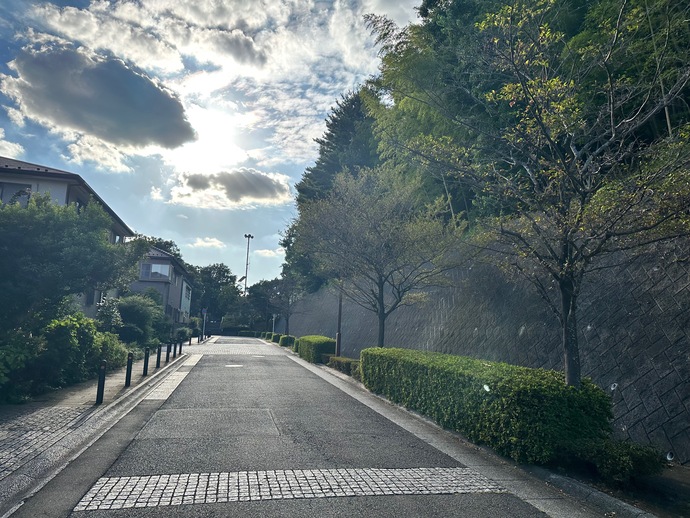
(247, 333)
(529, 415)
(183, 334)
(113, 351)
(311, 347)
(344, 365)
(275, 337)
(618, 462)
(287, 341)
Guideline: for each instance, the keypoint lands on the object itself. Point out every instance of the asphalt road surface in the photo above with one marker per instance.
(244, 428)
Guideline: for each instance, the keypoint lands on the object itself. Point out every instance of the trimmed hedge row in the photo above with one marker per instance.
(312, 347)
(526, 414)
(348, 366)
(287, 341)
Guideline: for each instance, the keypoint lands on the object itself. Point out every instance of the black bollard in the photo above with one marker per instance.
(101, 383)
(146, 361)
(181, 347)
(128, 375)
(167, 353)
(158, 356)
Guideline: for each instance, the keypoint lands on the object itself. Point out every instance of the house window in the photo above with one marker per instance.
(187, 292)
(155, 271)
(15, 193)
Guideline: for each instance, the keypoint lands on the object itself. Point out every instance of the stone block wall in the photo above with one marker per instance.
(634, 322)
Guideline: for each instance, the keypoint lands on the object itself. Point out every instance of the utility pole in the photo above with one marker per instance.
(246, 269)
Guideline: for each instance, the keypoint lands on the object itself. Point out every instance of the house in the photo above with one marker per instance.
(164, 273)
(18, 180)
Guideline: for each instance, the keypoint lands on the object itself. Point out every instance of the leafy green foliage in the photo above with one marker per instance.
(312, 347)
(345, 365)
(51, 252)
(143, 320)
(275, 338)
(69, 350)
(526, 414)
(287, 341)
(371, 236)
(566, 120)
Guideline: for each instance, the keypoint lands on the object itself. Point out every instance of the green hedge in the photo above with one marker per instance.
(287, 341)
(276, 338)
(311, 347)
(526, 414)
(348, 366)
(247, 333)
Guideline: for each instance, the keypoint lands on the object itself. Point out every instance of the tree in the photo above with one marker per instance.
(275, 297)
(370, 234)
(215, 289)
(348, 143)
(49, 252)
(571, 128)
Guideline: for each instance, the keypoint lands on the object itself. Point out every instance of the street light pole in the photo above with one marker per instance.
(246, 270)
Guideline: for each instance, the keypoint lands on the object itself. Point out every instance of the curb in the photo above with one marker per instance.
(28, 479)
(610, 505)
(600, 501)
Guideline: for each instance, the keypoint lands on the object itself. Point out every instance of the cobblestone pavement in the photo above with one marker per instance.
(26, 432)
(202, 488)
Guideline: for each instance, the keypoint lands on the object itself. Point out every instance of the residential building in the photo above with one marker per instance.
(164, 273)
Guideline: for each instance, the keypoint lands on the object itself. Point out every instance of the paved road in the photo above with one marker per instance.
(244, 428)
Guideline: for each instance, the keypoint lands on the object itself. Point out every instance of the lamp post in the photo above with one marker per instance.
(246, 270)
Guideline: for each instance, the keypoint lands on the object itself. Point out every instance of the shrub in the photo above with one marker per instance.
(344, 365)
(112, 350)
(529, 415)
(183, 334)
(247, 333)
(287, 341)
(311, 347)
(618, 462)
(276, 337)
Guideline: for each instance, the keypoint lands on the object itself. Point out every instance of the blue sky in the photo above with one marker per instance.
(192, 119)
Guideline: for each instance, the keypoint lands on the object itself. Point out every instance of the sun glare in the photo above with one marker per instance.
(214, 150)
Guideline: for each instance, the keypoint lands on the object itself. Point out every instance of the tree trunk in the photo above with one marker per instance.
(571, 351)
(382, 328)
(287, 324)
(381, 312)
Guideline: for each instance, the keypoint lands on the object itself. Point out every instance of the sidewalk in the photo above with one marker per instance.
(39, 438)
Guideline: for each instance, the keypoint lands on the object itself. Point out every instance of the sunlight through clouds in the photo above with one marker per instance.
(203, 105)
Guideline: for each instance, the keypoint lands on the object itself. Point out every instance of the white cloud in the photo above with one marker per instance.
(9, 149)
(279, 252)
(207, 242)
(156, 193)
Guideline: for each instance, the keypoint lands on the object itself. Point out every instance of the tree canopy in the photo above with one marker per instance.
(567, 120)
(371, 235)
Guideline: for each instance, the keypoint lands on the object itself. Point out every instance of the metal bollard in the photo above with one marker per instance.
(158, 356)
(101, 382)
(128, 375)
(167, 353)
(146, 361)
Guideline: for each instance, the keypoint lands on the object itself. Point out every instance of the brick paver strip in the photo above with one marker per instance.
(239, 486)
(27, 433)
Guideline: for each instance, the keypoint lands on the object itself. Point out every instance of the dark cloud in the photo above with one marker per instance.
(241, 47)
(99, 97)
(243, 184)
